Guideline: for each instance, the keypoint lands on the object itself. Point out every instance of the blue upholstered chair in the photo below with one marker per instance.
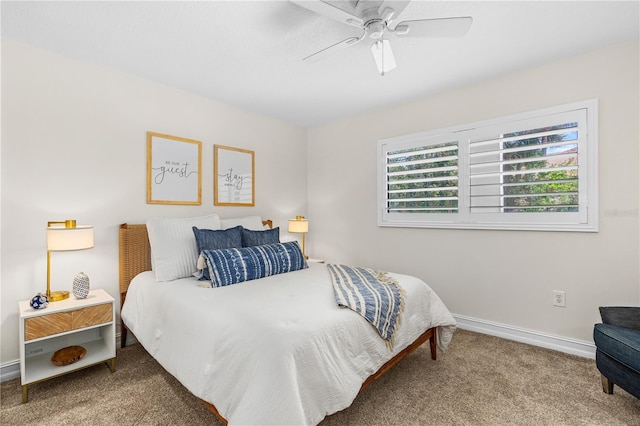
(618, 348)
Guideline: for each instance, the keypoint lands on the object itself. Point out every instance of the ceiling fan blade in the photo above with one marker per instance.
(332, 49)
(330, 11)
(396, 5)
(441, 27)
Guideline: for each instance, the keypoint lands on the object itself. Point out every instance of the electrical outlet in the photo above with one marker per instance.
(559, 298)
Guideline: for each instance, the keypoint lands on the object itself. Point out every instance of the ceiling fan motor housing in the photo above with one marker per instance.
(375, 29)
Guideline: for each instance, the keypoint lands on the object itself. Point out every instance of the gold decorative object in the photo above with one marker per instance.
(68, 355)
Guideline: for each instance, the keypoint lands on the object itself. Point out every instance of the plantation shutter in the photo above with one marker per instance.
(528, 166)
(534, 170)
(423, 179)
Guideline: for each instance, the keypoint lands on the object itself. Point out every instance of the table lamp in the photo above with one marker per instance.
(65, 236)
(299, 225)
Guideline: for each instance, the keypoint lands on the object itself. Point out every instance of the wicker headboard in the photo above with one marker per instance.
(135, 253)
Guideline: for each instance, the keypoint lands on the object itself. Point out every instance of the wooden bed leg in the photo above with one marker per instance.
(123, 336)
(433, 343)
(123, 327)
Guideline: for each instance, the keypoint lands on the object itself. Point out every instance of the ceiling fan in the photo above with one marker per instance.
(376, 19)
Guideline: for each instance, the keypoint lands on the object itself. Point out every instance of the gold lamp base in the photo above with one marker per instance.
(56, 296)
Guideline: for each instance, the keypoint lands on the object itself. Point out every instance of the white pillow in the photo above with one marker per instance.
(174, 253)
(253, 223)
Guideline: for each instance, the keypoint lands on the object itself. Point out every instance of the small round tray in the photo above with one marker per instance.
(68, 355)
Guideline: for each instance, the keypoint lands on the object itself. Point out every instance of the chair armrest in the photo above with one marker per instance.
(621, 316)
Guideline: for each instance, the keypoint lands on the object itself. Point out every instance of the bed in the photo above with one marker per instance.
(274, 350)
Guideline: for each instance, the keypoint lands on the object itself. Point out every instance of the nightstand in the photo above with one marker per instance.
(89, 323)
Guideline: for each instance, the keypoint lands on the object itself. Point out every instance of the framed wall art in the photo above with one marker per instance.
(174, 170)
(233, 176)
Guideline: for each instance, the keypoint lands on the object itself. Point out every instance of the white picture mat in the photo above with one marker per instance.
(234, 176)
(174, 171)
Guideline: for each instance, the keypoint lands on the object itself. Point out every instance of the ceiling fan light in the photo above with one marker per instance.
(383, 56)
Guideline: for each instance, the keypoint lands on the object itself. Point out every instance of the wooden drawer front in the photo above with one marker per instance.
(47, 325)
(92, 315)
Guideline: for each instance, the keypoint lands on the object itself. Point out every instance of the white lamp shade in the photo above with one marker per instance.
(66, 239)
(299, 225)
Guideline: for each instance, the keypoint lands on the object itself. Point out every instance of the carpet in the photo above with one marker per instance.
(480, 380)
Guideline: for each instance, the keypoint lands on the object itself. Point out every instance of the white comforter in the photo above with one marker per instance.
(272, 351)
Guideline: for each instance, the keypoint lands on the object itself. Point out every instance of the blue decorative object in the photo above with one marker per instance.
(39, 301)
(235, 265)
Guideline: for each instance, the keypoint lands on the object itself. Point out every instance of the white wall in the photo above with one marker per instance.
(74, 147)
(495, 276)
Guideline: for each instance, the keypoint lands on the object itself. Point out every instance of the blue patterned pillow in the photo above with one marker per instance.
(235, 265)
(259, 238)
(208, 239)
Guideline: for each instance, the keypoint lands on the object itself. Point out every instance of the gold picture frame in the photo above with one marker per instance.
(174, 170)
(233, 176)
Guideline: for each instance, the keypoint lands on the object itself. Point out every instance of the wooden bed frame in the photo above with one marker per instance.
(135, 257)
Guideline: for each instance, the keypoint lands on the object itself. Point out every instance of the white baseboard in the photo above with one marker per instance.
(531, 337)
(11, 370)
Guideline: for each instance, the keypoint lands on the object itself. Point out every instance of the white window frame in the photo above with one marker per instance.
(585, 220)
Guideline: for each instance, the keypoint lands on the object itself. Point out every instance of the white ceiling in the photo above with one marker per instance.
(248, 53)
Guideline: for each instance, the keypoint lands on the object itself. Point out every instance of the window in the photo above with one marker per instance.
(535, 171)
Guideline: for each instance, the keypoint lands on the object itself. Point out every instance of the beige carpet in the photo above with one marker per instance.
(480, 380)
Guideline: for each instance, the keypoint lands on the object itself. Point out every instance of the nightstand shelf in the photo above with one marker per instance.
(86, 322)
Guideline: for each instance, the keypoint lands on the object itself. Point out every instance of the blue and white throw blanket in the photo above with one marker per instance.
(373, 294)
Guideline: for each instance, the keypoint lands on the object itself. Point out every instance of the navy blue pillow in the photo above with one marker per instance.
(208, 239)
(235, 265)
(260, 238)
